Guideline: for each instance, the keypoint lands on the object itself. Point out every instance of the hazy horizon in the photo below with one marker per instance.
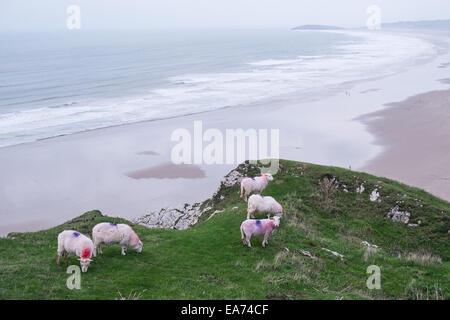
(200, 14)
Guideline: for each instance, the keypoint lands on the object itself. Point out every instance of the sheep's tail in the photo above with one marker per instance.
(242, 233)
(242, 191)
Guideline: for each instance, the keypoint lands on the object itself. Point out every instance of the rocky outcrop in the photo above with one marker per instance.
(334, 253)
(174, 218)
(399, 216)
(369, 245)
(375, 196)
(360, 189)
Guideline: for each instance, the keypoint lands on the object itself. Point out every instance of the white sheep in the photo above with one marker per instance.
(260, 204)
(252, 227)
(73, 242)
(254, 185)
(111, 233)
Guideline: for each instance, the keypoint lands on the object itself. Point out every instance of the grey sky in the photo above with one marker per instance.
(156, 14)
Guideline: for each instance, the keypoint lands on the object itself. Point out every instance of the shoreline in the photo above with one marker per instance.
(56, 179)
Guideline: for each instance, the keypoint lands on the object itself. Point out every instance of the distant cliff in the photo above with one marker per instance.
(316, 27)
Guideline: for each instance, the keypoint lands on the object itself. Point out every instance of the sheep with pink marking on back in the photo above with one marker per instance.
(253, 227)
(110, 233)
(254, 185)
(260, 204)
(73, 242)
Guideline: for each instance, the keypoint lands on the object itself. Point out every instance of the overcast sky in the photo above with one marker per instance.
(163, 14)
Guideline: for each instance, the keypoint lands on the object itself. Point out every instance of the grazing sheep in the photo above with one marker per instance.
(70, 241)
(252, 227)
(259, 204)
(254, 185)
(111, 233)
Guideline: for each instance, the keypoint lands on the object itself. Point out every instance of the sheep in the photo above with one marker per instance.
(259, 204)
(110, 233)
(254, 185)
(71, 241)
(252, 227)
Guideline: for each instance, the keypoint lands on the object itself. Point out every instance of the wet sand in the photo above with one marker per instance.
(168, 171)
(416, 134)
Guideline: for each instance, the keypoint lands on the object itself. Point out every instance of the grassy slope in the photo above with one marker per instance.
(209, 261)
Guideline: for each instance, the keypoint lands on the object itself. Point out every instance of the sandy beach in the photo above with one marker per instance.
(126, 170)
(423, 122)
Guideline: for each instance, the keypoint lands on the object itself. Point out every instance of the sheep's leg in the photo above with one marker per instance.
(124, 250)
(67, 257)
(245, 195)
(250, 212)
(243, 237)
(265, 242)
(248, 241)
(100, 251)
(60, 254)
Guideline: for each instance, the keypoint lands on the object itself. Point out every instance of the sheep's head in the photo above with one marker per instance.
(85, 263)
(276, 221)
(139, 247)
(269, 176)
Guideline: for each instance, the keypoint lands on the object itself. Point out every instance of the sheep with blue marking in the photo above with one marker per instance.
(110, 233)
(73, 242)
(263, 227)
(254, 185)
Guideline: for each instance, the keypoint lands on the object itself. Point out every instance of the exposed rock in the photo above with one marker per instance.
(375, 195)
(415, 224)
(334, 253)
(179, 218)
(369, 245)
(360, 189)
(232, 178)
(307, 253)
(212, 215)
(396, 215)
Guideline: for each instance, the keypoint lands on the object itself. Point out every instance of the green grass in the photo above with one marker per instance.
(208, 261)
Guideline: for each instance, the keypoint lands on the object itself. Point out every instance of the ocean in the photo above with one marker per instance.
(58, 83)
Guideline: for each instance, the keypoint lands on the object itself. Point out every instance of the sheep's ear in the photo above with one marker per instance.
(79, 259)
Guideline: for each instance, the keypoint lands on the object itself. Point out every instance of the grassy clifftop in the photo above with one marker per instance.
(208, 261)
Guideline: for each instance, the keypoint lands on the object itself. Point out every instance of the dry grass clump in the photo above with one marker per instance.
(328, 185)
(131, 296)
(422, 258)
(369, 253)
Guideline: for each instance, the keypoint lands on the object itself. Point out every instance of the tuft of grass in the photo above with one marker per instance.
(131, 296)
(422, 258)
